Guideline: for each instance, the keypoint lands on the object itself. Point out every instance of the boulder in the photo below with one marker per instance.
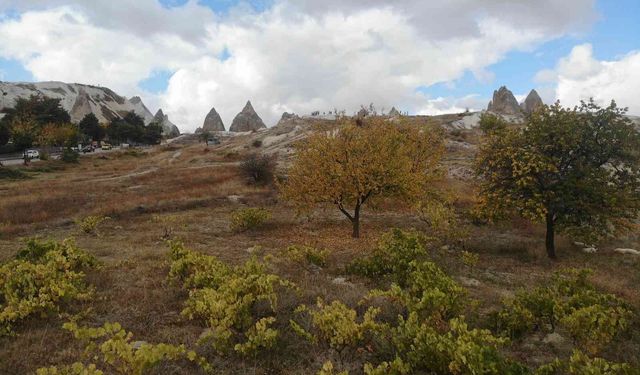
(247, 120)
(213, 122)
(532, 102)
(504, 103)
(627, 251)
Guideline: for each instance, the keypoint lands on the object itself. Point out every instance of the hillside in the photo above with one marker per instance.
(80, 100)
(187, 191)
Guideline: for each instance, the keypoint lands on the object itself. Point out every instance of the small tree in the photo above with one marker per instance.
(577, 170)
(5, 134)
(356, 163)
(258, 169)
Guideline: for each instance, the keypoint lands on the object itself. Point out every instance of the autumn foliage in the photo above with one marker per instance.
(358, 162)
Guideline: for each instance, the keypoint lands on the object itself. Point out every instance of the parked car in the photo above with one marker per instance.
(106, 146)
(87, 148)
(32, 154)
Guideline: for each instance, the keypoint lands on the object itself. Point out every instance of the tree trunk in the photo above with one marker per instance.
(550, 242)
(356, 222)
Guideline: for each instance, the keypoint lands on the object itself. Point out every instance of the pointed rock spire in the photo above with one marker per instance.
(532, 102)
(504, 102)
(169, 129)
(247, 120)
(213, 122)
(394, 112)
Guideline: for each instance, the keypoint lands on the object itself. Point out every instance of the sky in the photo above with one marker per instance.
(423, 57)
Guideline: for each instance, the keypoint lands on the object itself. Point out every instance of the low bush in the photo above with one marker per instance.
(392, 257)
(249, 219)
(258, 169)
(581, 364)
(119, 354)
(226, 299)
(89, 224)
(69, 155)
(307, 254)
(42, 279)
(592, 318)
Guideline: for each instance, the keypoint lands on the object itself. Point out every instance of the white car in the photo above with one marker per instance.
(32, 154)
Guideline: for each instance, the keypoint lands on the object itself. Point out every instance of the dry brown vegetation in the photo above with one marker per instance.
(197, 188)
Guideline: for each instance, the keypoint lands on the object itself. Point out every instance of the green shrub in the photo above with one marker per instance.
(122, 356)
(392, 257)
(592, 318)
(249, 219)
(336, 325)
(581, 364)
(430, 292)
(226, 298)
(43, 277)
(307, 254)
(69, 155)
(89, 224)
(426, 346)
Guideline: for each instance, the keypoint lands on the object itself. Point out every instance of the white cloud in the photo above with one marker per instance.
(580, 76)
(297, 56)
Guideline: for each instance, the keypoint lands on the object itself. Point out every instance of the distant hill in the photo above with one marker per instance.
(80, 100)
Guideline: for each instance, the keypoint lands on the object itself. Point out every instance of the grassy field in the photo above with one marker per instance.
(188, 191)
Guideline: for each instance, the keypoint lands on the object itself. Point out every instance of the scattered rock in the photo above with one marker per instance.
(254, 249)
(341, 281)
(504, 102)
(469, 282)
(138, 344)
(247, 120)
(554, 339)
(589, 250)
(627, 251)
(213, 122)
(532, 102)
(234, 198)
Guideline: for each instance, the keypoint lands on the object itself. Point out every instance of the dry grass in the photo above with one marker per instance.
(191, 186)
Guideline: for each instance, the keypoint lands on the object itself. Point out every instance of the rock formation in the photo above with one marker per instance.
(247, 120)
(79, 100)
(169, 130)
(394, 112)
(504, 103)
(213, 122)
(532, 102)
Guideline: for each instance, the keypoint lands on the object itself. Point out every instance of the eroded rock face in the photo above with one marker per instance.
(79, 100)
(169, 129)
(247, 120)
(213, 122)
(532, 102)
(504, 102)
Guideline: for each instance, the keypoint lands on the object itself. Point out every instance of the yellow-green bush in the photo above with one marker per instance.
(392, 257)
(43, 277)
(249, 219)
(307, 254)
(592, 318)
(226, 298)
(114, 346)
(89, 224)
(581, 364)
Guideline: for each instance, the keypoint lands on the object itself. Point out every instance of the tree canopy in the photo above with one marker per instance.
(577, 170)
(90, 126)
(358, 162)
